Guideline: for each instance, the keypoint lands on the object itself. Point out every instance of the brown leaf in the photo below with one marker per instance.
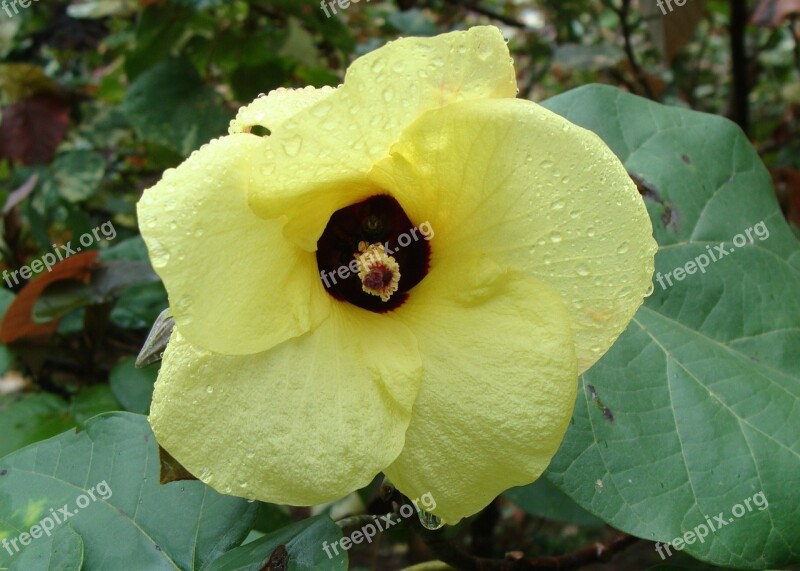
(787, 187)
(171, 469)
(672, 26)
(18, 322)
(278, 561)
(772, 13)
(32, 129)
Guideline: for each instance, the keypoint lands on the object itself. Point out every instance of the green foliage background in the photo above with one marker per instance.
(99, 97)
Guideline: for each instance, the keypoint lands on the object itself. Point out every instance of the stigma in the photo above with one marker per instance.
(379, 272)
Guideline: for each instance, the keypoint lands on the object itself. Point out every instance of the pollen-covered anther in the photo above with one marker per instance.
(379, 272)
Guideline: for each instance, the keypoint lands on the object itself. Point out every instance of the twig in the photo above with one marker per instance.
(740, 107)
(622, 13)
(478, 9)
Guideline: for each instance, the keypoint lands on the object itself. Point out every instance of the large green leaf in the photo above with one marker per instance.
(304, 542)
(170, 105)
(542, 499)
(133, 387)
(133, 522)
(25, 419)
(61, 550)
(704, 384)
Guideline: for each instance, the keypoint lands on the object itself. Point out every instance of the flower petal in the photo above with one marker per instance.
(306, 422)
(498, 389)
(533, 191)
(319, 151)
(272, 110)
(235, 285)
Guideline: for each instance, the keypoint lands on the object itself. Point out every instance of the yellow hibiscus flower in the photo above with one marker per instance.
(405, 276)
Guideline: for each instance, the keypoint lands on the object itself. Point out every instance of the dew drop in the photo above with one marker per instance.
(590, 232)
(557, 205)
(622, 248)
(583, 270)
(158, 254)
(205, 475)
(555, 237)
(209, 389)
(388, 95)
(430, 521)
(649, 291)
(546, 164)
(292, 145)
(484, 51)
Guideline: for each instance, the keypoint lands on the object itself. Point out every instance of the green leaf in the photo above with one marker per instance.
(164, 105)
(109, 280)
(304, 542)
(705, 382)
(132, 522)
(31, 418)
(78, 174)
(133, 387)
(59, 550)
(543, 499)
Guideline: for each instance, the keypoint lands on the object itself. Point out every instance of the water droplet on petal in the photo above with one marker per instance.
(158, 253)
(583, 270)
(388, 95)
(649, 291)
(555, 237)
(546, 164)
(557, 205)
(292, 145)
(622, 248)
(430, 521)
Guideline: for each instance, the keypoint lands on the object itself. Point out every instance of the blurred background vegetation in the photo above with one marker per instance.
(99, 97)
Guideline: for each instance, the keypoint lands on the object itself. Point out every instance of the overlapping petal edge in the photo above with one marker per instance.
(554, 246)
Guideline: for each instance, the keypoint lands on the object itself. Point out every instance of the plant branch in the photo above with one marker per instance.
(623, 13)
(740, 93)
(478, 9)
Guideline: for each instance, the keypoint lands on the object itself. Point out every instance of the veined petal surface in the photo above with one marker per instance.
(271, 110)
(498, 389)
(235, 284)
(306, 422)
(320, 151)
(521, 184)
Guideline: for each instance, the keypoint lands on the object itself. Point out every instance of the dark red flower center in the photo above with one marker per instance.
(371, 254)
